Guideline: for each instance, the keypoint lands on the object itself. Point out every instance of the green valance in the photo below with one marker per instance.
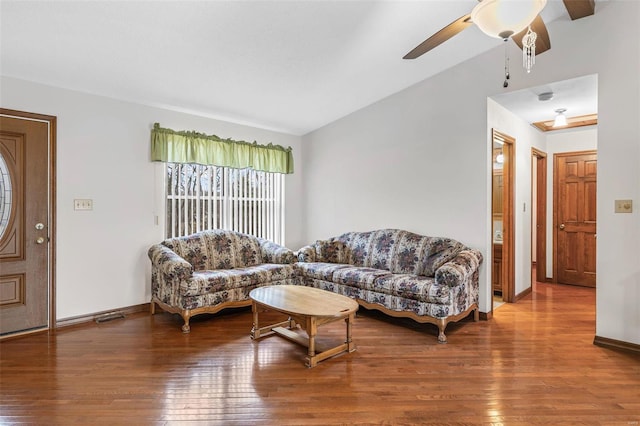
(191, 147)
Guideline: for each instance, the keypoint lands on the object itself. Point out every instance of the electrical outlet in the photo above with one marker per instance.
(83, 204)
(624, 206)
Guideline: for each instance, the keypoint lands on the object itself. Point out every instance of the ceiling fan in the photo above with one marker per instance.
(483, 11)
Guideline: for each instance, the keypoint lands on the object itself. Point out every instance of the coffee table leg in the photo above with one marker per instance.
(292, 323)
(312, 330)
(255, 331)
(350, 346)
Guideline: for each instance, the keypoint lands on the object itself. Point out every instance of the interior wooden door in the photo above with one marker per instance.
(575, 218)
(24, 226)
(540, 203)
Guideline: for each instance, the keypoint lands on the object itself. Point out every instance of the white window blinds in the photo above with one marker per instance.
(203, 197)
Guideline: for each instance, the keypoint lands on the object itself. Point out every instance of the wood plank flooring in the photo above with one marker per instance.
(533, 363)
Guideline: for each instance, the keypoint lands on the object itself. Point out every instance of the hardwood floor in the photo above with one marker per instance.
(533, 363)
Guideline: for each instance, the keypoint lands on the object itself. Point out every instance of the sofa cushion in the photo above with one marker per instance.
(318, 270)
(331, 251)
(398, 251)
(389, 301)
(248, 251)
(358, 247)
(438, 252)
(219, 249)
(408, 254)
(212, 281)
(214, 299)
(205, 250)
(360, 277)
(269, 272)
(383, 248)
(191, 249)
(415, 287)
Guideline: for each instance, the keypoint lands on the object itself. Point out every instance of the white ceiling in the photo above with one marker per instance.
(579, 96)
(291, 66)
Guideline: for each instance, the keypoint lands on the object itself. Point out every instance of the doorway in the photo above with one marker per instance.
(27, 222)
(536, 105)
(502, 272)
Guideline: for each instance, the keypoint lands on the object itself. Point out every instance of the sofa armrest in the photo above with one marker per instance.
(306, 254)
(169, 263)
(461, 270)
(275, 253)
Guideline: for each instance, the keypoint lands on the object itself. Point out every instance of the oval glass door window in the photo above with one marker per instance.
(5, 196)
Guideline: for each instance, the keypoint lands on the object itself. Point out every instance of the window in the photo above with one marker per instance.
(214, 183)
(203, 197)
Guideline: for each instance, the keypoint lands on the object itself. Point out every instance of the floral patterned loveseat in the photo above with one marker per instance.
(212, 270)
(427, 279)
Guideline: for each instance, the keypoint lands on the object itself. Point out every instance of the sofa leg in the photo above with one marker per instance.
(152, 307)
(442, 324)
(476, 314)
(186, 316)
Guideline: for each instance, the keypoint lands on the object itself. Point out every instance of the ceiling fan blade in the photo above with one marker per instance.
(440, 37)
(543, 43)
(579, 8)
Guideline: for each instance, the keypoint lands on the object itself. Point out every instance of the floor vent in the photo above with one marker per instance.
(109, 317)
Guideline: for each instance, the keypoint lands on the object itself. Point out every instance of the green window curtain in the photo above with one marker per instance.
(172, 146)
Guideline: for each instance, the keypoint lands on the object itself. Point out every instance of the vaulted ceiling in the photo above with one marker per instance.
(291, 66)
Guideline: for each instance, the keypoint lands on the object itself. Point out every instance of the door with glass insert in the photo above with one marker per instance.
(24, 225)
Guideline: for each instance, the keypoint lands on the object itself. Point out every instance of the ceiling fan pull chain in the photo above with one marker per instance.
(506, 65)
(529, 49)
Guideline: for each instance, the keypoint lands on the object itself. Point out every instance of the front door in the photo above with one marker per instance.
(24, 223)
(575, 222)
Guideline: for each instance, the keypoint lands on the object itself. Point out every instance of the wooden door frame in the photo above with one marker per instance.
(556, 181)
(540, 177)
(51, 121)
(508, 225)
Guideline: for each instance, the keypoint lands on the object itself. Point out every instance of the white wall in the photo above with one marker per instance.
(583, 139)
(103, 153)
(420, 159)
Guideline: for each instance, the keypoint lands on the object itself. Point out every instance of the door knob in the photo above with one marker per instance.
(562, 226)
(40, 240)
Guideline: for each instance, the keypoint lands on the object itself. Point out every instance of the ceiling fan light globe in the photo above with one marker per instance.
(497, 18)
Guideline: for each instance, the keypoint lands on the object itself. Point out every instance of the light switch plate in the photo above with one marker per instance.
(624, 206)
(83, 204)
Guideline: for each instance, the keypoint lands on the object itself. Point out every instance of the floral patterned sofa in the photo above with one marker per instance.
(428, 279)
(212, 270)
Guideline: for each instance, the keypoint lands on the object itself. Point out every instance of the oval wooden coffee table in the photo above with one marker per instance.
(309, 307)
